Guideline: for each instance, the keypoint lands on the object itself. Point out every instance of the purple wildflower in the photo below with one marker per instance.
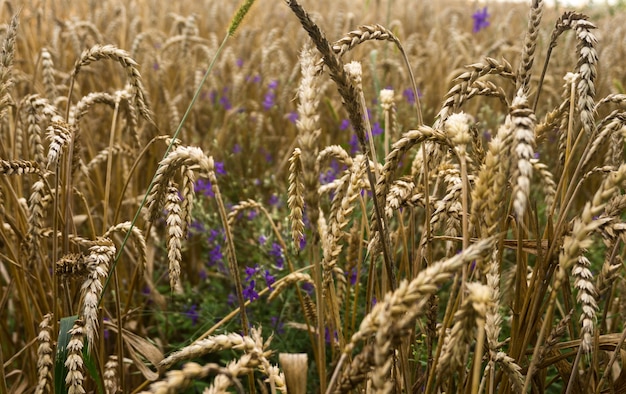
(274, 200)
(345, 123)
(269, 279)
(219, 168)
(239, 62)
(376, 129)
(354, 144)
(480, 20)
(249, 293)
(192, 313)
(203, 186)
(252, 214)
(308, 287)
(293, 116)
(236, 148)
(302, 243)
(262, 239)
(277, 253)
(251, 272)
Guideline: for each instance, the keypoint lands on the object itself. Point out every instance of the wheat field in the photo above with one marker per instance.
(312, 197)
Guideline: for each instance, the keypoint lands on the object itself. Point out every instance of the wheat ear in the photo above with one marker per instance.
(47, 66)
(6, 65)
(44, 355)
(179, 379)
(295, 201)
(100, 255)
(530, 44)
(99, 52)
(175, 236)
(110, 377)
(523, 122)
(74, 361)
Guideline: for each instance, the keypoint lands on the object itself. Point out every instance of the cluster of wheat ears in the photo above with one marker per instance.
(487, 230)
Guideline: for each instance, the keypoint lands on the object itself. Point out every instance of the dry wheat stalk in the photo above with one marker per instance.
(295, 367)
(100, 255)
(44, 355)
(99, 52)
(81, 108)
(357, 371)
(74, 361)
(295, 201)
(173, 223)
